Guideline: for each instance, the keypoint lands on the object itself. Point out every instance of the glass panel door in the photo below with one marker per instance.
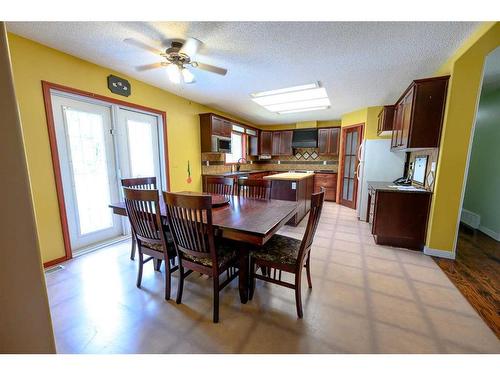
(138, 145)
(87, 162)
(352, 139)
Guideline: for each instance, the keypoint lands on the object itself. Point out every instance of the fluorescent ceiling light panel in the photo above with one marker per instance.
(302, 110)
(322, 102)
(287, 89)
(293, 99)
(294, 96)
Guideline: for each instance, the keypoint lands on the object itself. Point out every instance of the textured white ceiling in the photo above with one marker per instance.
(359, 63)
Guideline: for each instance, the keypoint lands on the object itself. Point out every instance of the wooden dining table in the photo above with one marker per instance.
(251, 222)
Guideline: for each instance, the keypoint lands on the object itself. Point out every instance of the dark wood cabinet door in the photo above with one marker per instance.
(226, 129)
(276, 136)
(266, 142)
(407, 106)
(334, 141)
(217, 125)
(253, 145)
(286, 142)
(323, 135)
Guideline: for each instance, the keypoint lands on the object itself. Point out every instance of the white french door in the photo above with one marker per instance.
(138, 144)
(88, 170)
(98, 144)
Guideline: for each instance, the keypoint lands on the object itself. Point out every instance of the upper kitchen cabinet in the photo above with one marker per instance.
(328, 141)
(266, 142)
(282, 142)
(385, 120)
(418, 115)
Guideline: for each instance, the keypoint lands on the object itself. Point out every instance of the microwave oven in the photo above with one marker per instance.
(221, 144)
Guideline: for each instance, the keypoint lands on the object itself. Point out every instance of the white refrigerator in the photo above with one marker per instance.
(377, 163)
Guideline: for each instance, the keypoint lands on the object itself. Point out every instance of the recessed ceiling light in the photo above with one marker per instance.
(293, 99)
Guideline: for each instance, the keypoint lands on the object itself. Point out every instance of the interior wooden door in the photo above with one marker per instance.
(351, 137)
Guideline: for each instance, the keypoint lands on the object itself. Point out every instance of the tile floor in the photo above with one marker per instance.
(365, 299)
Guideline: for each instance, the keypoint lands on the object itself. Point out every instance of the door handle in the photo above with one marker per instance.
(357, 171)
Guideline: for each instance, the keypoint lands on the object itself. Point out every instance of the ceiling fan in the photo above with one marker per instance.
(177, 58)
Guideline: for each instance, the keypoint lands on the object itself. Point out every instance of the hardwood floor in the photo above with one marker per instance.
(476, 273)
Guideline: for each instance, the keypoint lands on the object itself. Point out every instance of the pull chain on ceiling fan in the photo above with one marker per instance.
(177, 58)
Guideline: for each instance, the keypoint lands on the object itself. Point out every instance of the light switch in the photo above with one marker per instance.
(294, 186)
(433, 166)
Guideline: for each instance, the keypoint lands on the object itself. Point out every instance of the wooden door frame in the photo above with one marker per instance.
(340, 175)
(56, 167)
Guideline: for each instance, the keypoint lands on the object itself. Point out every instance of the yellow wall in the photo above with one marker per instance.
(466, 68)
(32, 63)
(367, 116)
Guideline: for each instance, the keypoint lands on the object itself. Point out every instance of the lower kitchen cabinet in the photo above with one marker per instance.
(398, 218)
(327, 181)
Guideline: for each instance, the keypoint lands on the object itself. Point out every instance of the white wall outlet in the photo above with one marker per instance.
(324, 162)
(294, 186)
(279, 161)
(433, 166)
(207, 163)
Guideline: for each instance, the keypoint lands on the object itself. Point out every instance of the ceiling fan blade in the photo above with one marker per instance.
(191, 47)
(142, 68)
(210, 68)
(142, 45)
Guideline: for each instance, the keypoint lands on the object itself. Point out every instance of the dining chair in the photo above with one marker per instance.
(282, 253)
(190, 220)
(219, 185)
(259, 189)
(143, 211)
(138, 183)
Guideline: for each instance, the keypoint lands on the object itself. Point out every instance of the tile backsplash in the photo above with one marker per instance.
(302, 159)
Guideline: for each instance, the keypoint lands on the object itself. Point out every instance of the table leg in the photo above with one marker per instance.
(243, 275)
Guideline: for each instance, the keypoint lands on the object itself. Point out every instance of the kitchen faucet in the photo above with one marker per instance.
(238, 163)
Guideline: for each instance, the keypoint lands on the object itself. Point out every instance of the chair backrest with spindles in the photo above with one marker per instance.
(143, 211)
(144, 183)
(260, 189)
(190, 221)
(312, 223)
(219, 185)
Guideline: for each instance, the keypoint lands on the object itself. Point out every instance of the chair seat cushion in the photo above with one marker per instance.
(158, 247)
(226, 252)
(279, 249)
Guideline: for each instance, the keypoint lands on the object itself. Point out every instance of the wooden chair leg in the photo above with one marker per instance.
(168, 280)
(181, 285)
(251, 286)
(216, 298)
(139, 273)
(134, 246)
(298, 297)
(308, 270)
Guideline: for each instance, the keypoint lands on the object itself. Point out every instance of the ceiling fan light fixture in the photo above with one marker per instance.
(187, 76)
(174, 74)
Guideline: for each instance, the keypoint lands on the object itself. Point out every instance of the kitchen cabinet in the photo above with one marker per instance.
(328, 141)
(398, 218)
(327, 181)
(214, 125)
(253, 145)
(266, 142)
(282, 142)
(385, 120)
(418, 116)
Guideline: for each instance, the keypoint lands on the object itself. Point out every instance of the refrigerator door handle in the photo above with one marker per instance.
(357, 172)
(360, 152)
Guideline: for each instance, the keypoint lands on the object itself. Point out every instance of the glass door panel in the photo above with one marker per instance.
(350, 156)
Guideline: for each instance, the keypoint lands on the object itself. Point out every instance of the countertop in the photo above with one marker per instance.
(289, 176)
(390, 186)
(225, 174)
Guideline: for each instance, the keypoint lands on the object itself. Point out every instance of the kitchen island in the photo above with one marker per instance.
(296, 187)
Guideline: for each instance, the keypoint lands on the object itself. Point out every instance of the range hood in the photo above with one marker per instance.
(305, 138)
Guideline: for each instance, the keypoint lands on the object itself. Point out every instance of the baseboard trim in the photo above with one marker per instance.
(439, 253)
(489, 232)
